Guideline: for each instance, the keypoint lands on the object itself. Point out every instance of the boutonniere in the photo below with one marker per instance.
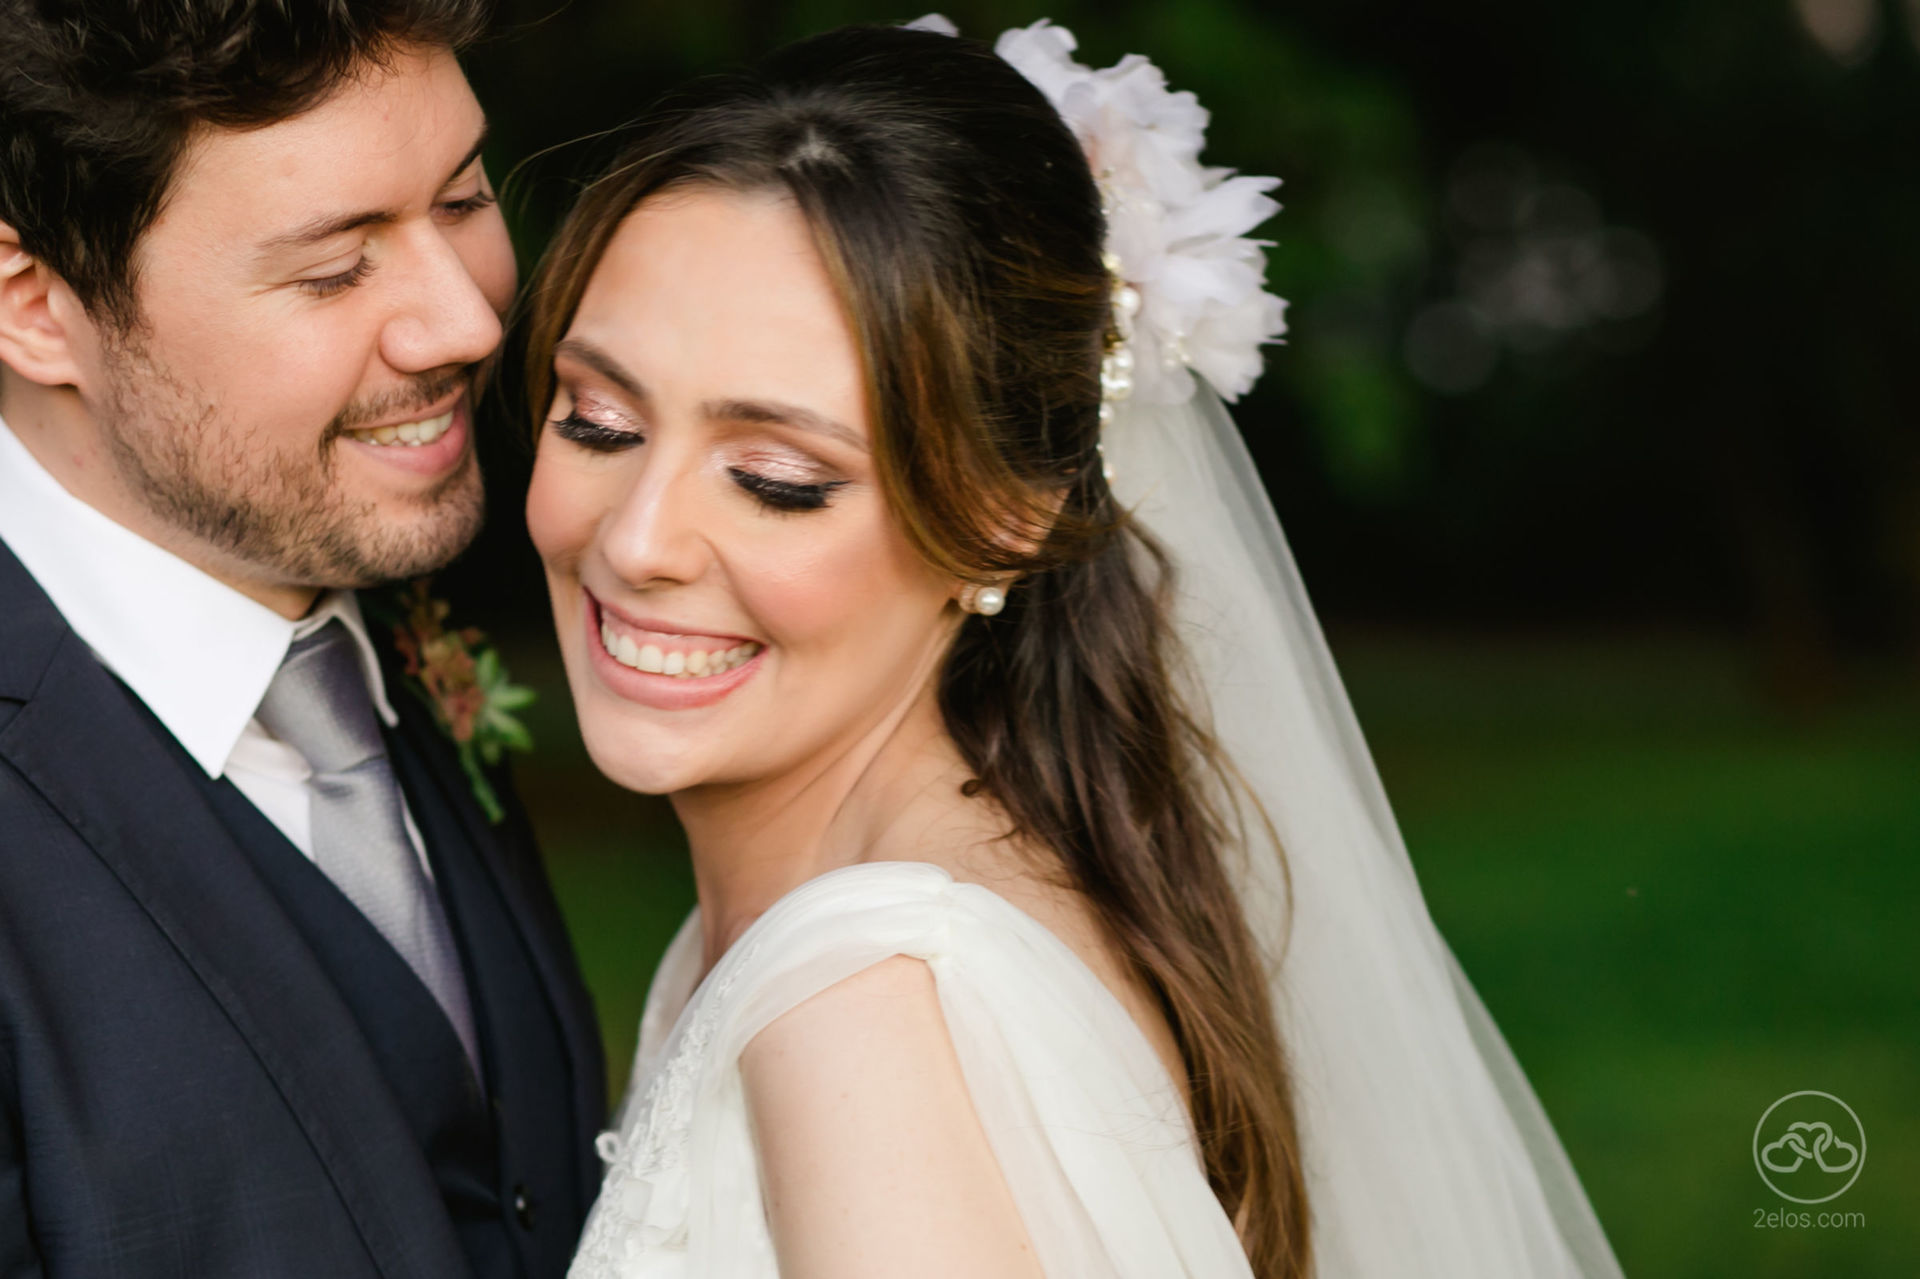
(460, 675)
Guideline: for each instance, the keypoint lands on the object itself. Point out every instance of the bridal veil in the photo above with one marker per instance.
(1426, 1152)
(1425, 1149)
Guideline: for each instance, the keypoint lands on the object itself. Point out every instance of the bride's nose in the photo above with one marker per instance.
(655, 536)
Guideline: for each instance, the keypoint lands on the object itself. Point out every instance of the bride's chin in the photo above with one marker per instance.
(632, 759)
(639, 777)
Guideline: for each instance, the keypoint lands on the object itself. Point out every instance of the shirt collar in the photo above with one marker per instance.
(199, 653)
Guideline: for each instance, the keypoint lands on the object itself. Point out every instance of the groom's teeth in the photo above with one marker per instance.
(679, 663)
(408, 434)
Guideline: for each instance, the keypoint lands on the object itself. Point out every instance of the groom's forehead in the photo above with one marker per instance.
(386, 140)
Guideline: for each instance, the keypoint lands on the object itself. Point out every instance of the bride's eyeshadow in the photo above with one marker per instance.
(784, 495)
(592, 435)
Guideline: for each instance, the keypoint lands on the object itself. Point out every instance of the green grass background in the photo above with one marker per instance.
(1679, 905)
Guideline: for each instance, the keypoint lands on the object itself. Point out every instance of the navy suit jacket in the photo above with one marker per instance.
(185, 1087)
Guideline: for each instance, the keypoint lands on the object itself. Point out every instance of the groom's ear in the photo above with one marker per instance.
(37, 315)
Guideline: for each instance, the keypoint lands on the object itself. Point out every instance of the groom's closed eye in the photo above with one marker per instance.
(328, 286)
(324, 226)
(316, 231)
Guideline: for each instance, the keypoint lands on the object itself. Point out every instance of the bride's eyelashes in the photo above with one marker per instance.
(589, 434)
(784, 495)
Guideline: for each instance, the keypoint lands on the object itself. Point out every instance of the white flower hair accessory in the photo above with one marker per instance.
(1190, 293)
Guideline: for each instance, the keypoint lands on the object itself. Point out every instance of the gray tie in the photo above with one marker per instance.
(318, 704)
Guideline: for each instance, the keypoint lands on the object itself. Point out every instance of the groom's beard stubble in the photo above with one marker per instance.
(284, 513)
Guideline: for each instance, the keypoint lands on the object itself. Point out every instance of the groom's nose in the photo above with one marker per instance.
(442, 314)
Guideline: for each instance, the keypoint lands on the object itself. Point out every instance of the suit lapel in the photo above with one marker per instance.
(513, 867)
(82, 742)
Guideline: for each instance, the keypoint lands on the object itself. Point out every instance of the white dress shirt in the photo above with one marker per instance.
(196, 651)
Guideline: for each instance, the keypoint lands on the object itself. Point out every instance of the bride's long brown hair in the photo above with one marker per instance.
(963, 229)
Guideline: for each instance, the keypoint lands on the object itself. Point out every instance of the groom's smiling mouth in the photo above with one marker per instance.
(406, 434)
(431, 442)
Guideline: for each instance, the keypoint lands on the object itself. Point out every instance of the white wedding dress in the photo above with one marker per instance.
(1424, 1150)
(1089, 1129)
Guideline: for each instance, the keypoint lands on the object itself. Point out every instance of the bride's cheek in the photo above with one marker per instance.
(561, 514)
(793, 597)
(823, 575)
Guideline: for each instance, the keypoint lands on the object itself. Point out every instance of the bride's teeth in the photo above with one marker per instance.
(679, 664)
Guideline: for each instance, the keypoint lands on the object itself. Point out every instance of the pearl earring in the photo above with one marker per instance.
(984, 600)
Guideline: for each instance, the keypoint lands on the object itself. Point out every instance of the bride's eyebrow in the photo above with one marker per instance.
(600, 362)
(758, 412)
(774, 413)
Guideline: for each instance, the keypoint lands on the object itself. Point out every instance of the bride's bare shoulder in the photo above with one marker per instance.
(873, 1159)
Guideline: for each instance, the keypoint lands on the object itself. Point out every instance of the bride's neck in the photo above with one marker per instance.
(887, 792)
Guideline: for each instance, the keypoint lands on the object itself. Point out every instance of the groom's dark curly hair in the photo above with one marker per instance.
(99, 99)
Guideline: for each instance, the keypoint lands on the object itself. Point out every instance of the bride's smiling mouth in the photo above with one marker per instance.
(665, 664)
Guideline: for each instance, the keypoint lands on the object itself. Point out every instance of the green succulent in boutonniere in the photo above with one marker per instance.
(460, 675)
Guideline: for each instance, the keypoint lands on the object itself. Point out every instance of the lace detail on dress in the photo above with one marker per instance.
(643, 1200)
(1085, 1122)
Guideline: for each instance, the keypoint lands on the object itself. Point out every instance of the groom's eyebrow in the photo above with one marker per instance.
(327, 225)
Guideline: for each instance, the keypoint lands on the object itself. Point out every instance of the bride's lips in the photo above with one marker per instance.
(662, 691)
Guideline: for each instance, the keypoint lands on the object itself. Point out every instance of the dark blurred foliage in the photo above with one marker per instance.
(1603, 313)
